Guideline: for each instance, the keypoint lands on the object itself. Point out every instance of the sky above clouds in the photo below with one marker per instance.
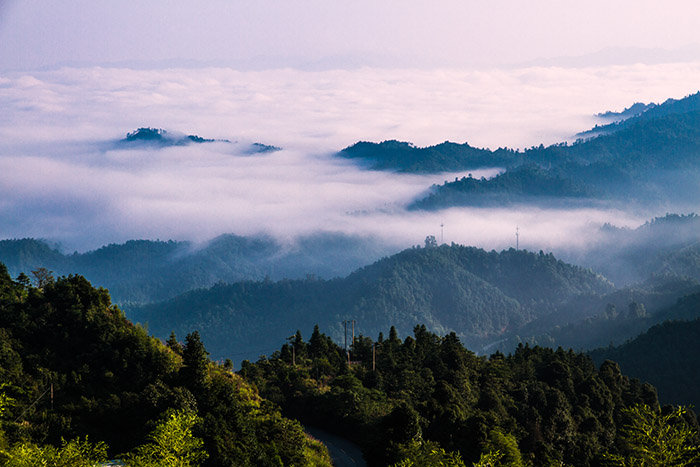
(321, 34)
(311, 77)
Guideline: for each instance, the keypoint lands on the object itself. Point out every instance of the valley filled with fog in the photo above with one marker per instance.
(63, 178)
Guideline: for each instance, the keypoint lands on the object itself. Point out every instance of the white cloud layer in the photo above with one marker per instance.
(59, 180)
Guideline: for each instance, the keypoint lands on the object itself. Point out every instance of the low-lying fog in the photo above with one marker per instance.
(62, 179)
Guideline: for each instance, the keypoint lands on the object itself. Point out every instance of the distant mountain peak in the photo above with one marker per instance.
(402, 156)
(162, 138)
(642, 112)
(146, 134)
(634, 110)
(259, 148)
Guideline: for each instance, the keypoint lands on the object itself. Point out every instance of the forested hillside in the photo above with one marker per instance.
(639, 163)
(666, 355)
(157, 137)
(523, 184)
(480, 295)
(426, 400)
(608, 320)
(657, 263)
(642, 112)
(71, 366)
(445, 157)
(652, 158)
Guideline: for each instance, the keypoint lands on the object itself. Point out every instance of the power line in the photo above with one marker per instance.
(253, 351)
(50, 388)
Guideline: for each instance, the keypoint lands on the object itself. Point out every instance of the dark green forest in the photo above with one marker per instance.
(643, 112)
(71, 365)
(666, 354)
(651, 265)
(615, 319)
(427, 398)
(79, 383)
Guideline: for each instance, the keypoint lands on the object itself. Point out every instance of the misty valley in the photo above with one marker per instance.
(553, 342)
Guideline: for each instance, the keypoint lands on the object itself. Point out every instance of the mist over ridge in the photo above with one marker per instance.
(61, 182)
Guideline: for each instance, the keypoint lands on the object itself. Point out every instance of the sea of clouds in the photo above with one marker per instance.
(63, 179)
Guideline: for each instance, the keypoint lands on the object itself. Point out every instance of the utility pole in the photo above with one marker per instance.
(345, 328)
(442, 233)
(294, 356)
(374, 356)
(353, 334)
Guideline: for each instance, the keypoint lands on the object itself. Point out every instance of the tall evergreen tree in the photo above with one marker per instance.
(195, 359)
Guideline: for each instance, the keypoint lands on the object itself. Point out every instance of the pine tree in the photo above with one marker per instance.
(195, 370)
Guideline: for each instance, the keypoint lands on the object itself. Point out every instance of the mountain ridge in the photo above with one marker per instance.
(665, 355)
(479, 294)
(140, 271)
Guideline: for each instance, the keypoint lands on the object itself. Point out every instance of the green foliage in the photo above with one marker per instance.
(526, 182)
(427, 454)
(42, 277)
(195, 360)
(535, 407)
(74, 453)
(316, 454)
(654, 438)
(665, 355)
(170, 444)
(490, 459)
(72, 365)
(506, 446)
(5, 401)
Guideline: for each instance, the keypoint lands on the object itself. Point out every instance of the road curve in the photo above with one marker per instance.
(344, 453)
